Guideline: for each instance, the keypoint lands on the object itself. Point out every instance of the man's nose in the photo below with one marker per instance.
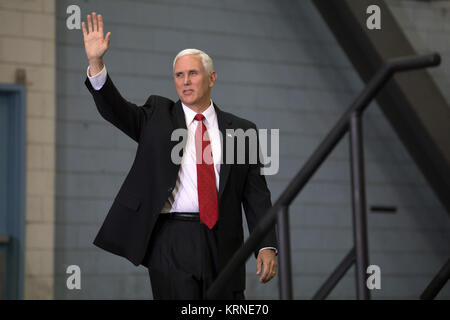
(187, 80)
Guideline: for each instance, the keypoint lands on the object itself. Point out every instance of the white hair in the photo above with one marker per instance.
(206, 60)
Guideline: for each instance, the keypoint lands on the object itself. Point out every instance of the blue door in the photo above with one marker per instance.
(12, 190)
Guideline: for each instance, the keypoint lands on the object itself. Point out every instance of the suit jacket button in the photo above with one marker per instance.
(170, 190)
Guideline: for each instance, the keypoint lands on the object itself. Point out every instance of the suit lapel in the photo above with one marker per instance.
(179, 120)
(224, 124)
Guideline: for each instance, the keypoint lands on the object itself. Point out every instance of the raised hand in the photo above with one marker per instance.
(95, 43)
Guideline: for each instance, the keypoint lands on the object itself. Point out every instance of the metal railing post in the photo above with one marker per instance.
(4, 241)
(359, 205)
(284, 254)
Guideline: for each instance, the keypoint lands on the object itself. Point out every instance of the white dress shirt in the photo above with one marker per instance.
(184, 197)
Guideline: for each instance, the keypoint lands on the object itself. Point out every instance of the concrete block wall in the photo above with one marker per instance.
(27, 41)
(279, 66)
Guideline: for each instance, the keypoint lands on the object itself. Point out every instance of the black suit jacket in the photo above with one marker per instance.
(128, 226)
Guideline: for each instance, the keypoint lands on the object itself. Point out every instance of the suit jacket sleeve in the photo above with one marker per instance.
(126, 116)
(256, 201)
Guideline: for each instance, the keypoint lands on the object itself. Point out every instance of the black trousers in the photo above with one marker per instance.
(182, 260)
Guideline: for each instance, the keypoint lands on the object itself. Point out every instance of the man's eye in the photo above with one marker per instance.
(178, 75)
(193, 72)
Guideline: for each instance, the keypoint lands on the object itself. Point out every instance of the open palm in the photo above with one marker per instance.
(95, 43)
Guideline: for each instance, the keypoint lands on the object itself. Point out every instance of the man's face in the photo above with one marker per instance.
(192, 82)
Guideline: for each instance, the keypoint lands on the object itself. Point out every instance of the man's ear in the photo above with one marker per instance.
(212, 78)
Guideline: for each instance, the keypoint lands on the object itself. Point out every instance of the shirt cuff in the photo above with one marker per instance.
(274, 249)
(99, 79)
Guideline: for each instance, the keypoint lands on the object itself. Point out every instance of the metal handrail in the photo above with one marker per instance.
(437, 283)
(314, 162)
(336, 276)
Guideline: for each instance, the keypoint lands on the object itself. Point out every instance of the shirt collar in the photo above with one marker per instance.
(209, 114)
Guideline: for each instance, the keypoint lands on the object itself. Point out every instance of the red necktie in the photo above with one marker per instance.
(206, 178)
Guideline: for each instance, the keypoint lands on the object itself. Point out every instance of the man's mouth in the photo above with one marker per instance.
(188, 91)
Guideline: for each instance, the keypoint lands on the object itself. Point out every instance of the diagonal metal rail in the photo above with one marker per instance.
(350, 120)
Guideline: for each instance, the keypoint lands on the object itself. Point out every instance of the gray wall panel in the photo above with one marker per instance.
(278, 66)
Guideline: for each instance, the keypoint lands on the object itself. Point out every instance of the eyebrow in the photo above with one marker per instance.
(188, 71)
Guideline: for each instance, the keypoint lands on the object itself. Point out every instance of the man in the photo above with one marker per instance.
(181, 220)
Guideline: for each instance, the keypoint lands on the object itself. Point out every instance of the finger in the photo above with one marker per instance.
(108, 35)
(273, 270)
(89, 23)
(258, 266)
(83, 26)
(265, 274)
(270, 271)
(100, 24)
(94, 20)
